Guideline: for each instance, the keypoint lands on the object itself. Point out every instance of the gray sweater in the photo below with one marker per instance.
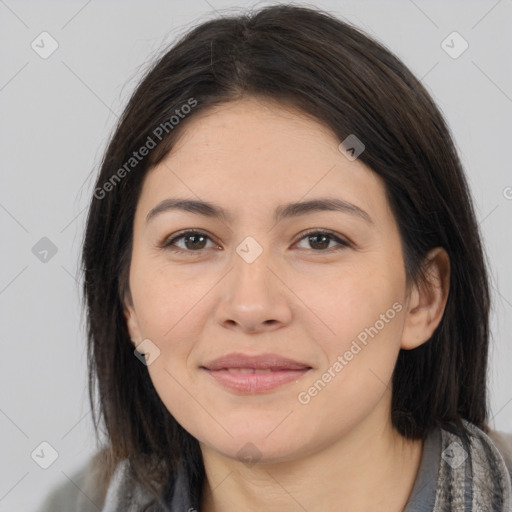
(450, 478)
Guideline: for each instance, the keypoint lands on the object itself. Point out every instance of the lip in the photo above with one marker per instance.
(250, 374)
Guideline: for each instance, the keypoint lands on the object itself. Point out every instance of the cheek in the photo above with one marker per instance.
(171, 313)
(167, 304)
(362, 324)
(350, 303)
(358, 371)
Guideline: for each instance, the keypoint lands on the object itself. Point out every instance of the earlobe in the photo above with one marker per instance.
(427, 300)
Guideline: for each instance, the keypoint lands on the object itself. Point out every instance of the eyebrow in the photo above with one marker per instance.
(285, 211)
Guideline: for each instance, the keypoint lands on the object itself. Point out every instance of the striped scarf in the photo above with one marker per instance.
(474, 478)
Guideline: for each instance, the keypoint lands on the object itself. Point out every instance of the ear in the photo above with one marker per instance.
(132, 322)
(427, 301)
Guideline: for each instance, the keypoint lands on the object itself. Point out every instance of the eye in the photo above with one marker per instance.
(195, 241)
(319, 240)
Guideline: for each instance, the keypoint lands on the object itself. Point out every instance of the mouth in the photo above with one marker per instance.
(251, 374)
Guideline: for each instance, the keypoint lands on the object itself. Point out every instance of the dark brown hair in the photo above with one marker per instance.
(309, 60)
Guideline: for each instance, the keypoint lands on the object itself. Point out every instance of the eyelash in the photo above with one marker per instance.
(168, 243)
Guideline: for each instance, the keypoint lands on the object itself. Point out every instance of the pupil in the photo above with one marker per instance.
(323, 245)
(193, 237)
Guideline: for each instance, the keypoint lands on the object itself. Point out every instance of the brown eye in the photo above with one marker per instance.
(319, 241)
(193, 241)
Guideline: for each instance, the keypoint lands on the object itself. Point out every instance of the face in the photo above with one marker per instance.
(275, 329)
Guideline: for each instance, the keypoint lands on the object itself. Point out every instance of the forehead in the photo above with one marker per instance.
(251, 154)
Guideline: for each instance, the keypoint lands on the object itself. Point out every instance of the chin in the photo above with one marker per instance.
(254, 445)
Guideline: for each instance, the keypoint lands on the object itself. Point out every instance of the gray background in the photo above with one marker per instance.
(56, 116)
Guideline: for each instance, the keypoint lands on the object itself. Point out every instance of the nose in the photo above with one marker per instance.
(253, 297)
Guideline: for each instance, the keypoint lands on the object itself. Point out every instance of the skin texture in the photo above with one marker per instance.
(299, 298)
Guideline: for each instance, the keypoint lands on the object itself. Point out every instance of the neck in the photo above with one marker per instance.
(366, 470)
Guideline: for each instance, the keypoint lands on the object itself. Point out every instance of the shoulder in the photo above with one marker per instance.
(85, 491)
(492, 447)
(503, 442)
(491, 465)
(124, 492)
(92, 489)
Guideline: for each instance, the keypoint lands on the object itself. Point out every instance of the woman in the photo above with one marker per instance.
(286, 289)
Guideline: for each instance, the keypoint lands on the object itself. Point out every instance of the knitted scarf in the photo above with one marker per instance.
(473, 478)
